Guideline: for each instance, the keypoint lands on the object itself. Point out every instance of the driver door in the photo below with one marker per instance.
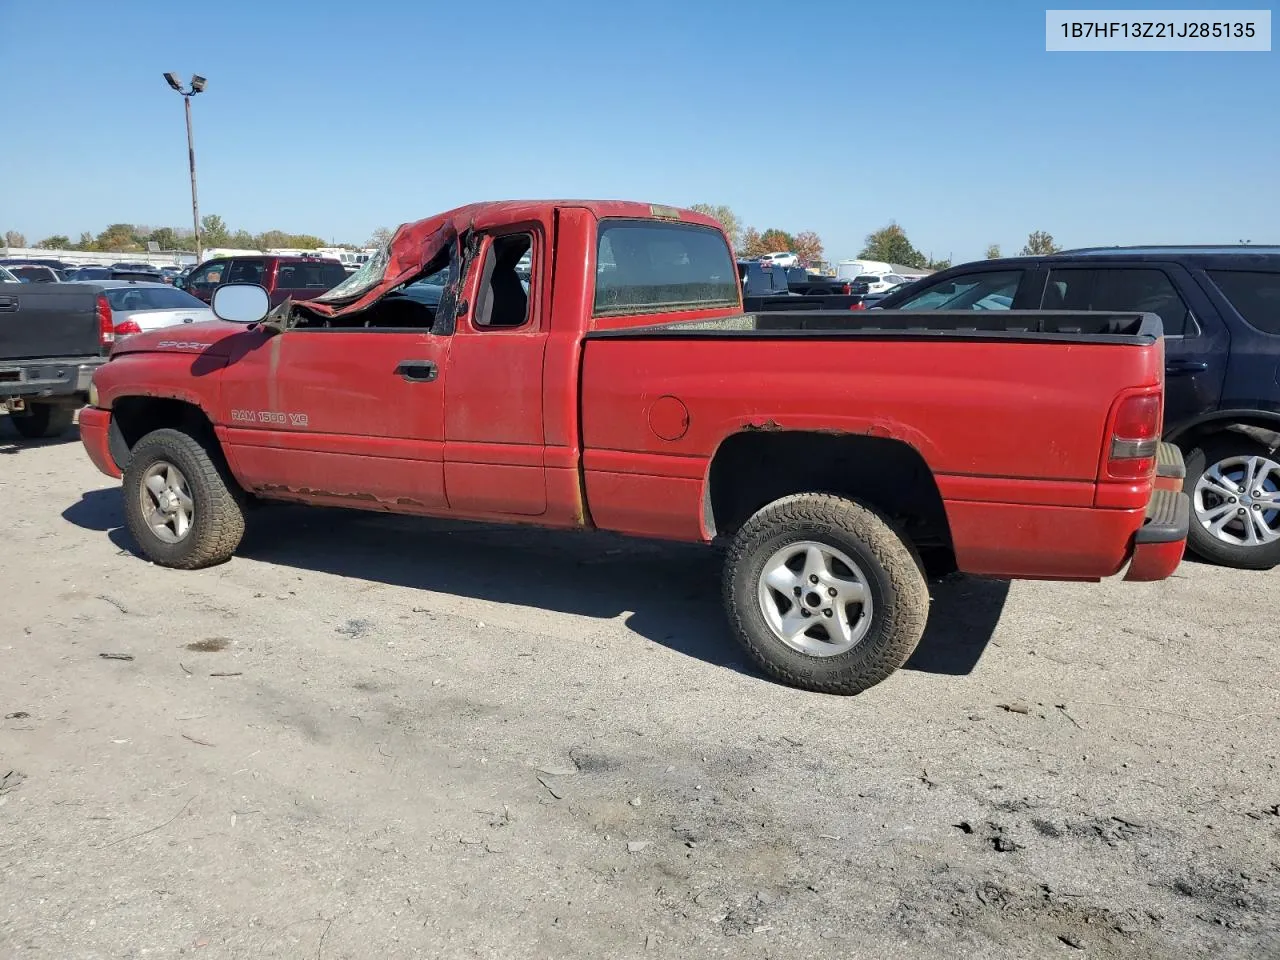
(348, 416)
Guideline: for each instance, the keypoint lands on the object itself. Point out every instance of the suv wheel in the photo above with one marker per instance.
(1234, 486)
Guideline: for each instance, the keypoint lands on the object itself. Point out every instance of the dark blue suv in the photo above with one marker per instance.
(1221, 313)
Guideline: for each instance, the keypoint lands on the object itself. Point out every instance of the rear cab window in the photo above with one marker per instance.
(1253, 294)
(652, 266)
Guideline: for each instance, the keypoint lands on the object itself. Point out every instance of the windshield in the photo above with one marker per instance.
(31, 274)
(364, 279)
(7, 277)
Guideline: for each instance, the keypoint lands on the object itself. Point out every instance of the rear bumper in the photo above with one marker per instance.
(95, 434)
(47, 378)
(1160, 542)
(1171, 471)
(1038, 542)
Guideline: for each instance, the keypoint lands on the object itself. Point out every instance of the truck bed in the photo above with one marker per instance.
(1033, 325)
(48, 320)
(1010, 426)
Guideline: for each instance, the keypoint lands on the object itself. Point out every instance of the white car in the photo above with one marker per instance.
(882, 284)
(139, 306)
(780, 260)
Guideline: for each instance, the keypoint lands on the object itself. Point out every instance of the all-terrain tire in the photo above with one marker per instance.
(43, 420)
(899, 593)
(218, 521)
(1212, 450)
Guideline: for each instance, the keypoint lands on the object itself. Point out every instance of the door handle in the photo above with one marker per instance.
(8, 304)
(1186, 366)
(417, 371)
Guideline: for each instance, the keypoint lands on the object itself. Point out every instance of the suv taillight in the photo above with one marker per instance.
(106, 329)
(1134, 437)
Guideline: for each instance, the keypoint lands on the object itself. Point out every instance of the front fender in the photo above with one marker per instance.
(170, 376)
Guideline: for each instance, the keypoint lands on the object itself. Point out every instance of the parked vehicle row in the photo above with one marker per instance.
(766, 288)
(48, 270)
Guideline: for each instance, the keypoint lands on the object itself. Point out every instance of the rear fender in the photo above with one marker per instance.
(835, 425)
(764, 461)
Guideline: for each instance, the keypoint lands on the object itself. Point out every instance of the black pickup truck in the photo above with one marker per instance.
(807, 284)
(52, 338)
(775, 288)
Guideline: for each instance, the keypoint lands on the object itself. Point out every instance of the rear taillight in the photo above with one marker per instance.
(1135, 435)
(858, 306)
(127, 328)
(106, 329)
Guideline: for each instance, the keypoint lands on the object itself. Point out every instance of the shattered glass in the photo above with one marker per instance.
(363, 280)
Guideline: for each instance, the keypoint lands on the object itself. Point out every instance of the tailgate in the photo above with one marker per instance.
(48, 320)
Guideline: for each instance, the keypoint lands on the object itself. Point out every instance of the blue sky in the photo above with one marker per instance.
(336, 118)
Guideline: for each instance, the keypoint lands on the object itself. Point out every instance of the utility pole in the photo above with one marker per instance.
(198, 84)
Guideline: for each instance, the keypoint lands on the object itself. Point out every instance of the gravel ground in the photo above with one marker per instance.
(374, 737)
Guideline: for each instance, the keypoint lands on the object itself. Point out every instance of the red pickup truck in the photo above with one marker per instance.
(618, 385)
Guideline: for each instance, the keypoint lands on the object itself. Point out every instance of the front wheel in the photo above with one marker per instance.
(1234, 486)
(824, 594)
(181, 504)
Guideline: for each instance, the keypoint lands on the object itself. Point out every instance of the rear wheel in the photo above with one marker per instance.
(824, 594)
(181, 504)
(43, 420)
(1234, 485)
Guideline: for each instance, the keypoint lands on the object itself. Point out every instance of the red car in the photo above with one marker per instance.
(284, 278)
(840, 455)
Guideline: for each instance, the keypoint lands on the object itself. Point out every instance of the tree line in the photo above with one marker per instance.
(214, 232)
(889, 244)
(1039, 243)
(751, 242)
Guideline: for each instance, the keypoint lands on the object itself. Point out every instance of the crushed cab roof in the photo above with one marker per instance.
(416, 244)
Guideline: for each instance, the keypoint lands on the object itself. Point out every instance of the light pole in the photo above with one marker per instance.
(197, 86)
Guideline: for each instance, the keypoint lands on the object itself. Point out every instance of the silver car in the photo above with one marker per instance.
(138, 306)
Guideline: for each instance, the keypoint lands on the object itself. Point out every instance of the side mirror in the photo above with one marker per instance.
(240, 302)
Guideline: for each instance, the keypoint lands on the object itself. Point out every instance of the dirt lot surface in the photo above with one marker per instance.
(368, 737)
